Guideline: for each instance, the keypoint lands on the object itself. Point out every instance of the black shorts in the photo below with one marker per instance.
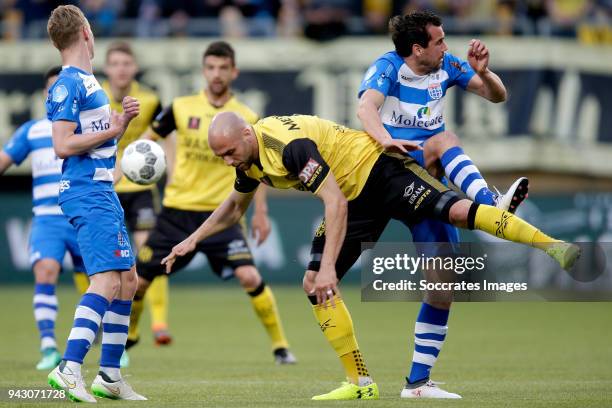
(140, 210)
(225, 251)
(397, 188)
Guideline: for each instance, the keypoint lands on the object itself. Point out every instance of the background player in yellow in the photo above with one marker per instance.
(362, 190)
(199, 183)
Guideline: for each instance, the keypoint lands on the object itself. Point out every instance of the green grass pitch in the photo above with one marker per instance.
(496, 354)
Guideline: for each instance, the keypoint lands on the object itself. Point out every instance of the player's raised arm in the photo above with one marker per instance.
(485, 83)
(224, 216)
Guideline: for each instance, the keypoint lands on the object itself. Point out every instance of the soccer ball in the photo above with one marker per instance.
(143, 162)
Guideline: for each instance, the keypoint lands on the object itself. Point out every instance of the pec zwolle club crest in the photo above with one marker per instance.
(435, 91)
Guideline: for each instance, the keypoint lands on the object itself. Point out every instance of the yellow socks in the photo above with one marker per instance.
(133, 332)
(337, 327)
(81, 282)
(264, 305)
(503, 224)
(157, 298)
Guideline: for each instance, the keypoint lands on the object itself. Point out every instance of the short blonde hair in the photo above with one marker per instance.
(64, 26)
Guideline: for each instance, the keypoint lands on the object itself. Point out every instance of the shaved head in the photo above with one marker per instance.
(231, 138)
(225, 126)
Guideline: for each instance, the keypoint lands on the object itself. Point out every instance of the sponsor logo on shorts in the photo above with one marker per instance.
(416, 194)
(310, 171)
(122, 253)
(409, 190)
(236, 247)
(121, 240)
(420, 200)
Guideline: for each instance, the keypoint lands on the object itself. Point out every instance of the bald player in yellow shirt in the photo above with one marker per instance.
(199, 183)
(362, 189)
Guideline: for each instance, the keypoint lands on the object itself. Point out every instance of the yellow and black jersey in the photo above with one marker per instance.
(200, 180)
(299, 151)
(150, 107)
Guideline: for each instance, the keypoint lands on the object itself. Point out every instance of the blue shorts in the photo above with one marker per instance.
(101, 233)
(51, 237)
(430, 230)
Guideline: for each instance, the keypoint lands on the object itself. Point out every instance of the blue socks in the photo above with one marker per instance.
(116, 322)
(429, 334)
(45, 313)
(462, 172)
(87, 320)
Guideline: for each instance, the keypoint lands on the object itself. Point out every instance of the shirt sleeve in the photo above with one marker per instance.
(18, 146)
(157, 110)
(243, 183)
(460, 71)
(164, 122)
(379, 76)
(301, 157)
(63, 101)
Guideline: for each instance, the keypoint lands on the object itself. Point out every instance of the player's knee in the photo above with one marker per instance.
(46, 271)
(458, 213)
(129, 283)
(439, 143)
(450, 140)
(248, 276)
(308, 281)
(107, 284)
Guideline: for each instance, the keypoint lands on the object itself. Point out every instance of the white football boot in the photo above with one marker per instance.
(515, 195)
(71, 382)
(428, 390)
(118, 390)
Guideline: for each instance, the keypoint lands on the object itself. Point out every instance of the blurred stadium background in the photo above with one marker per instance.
(308, 56)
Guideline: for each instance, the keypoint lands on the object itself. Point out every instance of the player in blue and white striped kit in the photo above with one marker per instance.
(85, 134)
(51, 235)
(402, 107)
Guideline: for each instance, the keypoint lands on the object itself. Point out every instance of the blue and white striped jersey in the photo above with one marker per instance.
(34, 137)
(77, 97)
(414, 104)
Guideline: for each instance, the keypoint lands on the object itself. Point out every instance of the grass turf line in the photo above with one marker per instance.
(496, 354)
